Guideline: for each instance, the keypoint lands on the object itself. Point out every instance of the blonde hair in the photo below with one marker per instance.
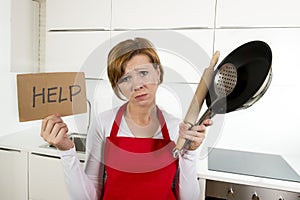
(122, 53)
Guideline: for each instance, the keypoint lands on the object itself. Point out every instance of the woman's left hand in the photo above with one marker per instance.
(196, 134)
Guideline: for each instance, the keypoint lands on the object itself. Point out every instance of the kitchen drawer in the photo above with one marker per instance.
(46, 178)
(13, 173)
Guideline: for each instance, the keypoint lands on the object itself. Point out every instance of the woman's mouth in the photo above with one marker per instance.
(141, 96)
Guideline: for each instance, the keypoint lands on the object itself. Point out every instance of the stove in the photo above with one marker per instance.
(251, 164)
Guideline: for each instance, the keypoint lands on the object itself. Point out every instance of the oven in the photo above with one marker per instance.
(217, 190)
(269, 166)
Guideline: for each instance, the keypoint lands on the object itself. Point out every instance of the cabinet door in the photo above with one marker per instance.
(13, 173)
(23, 24)
(135, 14)
(46, 178)
(78, 14)
(68, 51)
(256, 13)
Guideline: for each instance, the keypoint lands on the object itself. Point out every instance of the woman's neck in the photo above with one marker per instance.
(143, 122)
(141, 115)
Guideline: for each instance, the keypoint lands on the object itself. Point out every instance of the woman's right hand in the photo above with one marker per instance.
(54, 131)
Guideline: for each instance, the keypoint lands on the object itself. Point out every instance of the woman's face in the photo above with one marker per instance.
(140, 80)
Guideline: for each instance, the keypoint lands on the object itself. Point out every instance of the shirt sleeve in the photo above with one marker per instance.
(78, 184)
(188, 187)
(85, 183)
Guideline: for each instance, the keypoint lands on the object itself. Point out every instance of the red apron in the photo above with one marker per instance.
(139, 168)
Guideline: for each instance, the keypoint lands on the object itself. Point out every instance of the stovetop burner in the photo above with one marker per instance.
(250, 163)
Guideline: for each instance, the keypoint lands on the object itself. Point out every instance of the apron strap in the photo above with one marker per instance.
(163, 125)
(119, 115)
(115, 128)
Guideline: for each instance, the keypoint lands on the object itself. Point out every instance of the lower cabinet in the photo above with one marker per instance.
(46, 178)
(13, 174)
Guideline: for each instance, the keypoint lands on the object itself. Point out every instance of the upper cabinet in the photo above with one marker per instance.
(155, 14)
(84, 51)
(23, 35)
(257, 13)
(78, 14)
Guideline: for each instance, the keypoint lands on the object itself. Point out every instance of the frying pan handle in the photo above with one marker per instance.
(207, 115)
(197, 101)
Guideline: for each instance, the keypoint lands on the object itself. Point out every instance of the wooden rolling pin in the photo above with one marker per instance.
(197, 101)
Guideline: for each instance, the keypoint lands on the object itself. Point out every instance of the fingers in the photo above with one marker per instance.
(48, 122)
(207, 122)
(53, 126)
(59, 130)
(196, 134)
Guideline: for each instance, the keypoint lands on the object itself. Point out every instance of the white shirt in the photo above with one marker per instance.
(87, 184)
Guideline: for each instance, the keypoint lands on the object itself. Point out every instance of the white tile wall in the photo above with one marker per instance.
(256, 13)
(269, 126)
(135, 14)
(78, 14)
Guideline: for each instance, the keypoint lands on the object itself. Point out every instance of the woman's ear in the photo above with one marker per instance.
(158, 74)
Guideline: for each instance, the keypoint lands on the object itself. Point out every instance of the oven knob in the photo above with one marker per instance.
(230, 193)
(255, 197)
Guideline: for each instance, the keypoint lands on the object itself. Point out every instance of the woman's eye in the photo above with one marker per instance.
(143, 73)
(125, 79)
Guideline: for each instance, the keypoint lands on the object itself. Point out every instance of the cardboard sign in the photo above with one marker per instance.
(44, 94)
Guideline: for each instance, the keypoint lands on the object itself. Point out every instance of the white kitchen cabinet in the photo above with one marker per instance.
(78, 14)
(23, 36)
(13, 173)
(135, 14)
(46, 178)
(256, 13)
(68, 51)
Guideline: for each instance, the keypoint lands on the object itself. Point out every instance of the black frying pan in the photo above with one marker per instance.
(239, 81)
(252, 62)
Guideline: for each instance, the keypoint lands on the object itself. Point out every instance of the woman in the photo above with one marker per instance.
(129, 148)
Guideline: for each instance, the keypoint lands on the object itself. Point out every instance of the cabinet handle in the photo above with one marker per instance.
(7, 149)
(255, 196)
(230, 193)
(45, 155)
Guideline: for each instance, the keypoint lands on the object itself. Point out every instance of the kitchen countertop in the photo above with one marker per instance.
(30, 141)
(204, 173)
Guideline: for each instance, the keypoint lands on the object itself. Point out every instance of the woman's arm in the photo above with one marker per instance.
(78, 183)
(188, 187)
(85, 183)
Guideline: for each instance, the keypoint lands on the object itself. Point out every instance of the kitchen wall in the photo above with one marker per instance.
(73, 41)
(8, 101)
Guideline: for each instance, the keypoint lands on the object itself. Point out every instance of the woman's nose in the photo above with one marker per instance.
(138, 83)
